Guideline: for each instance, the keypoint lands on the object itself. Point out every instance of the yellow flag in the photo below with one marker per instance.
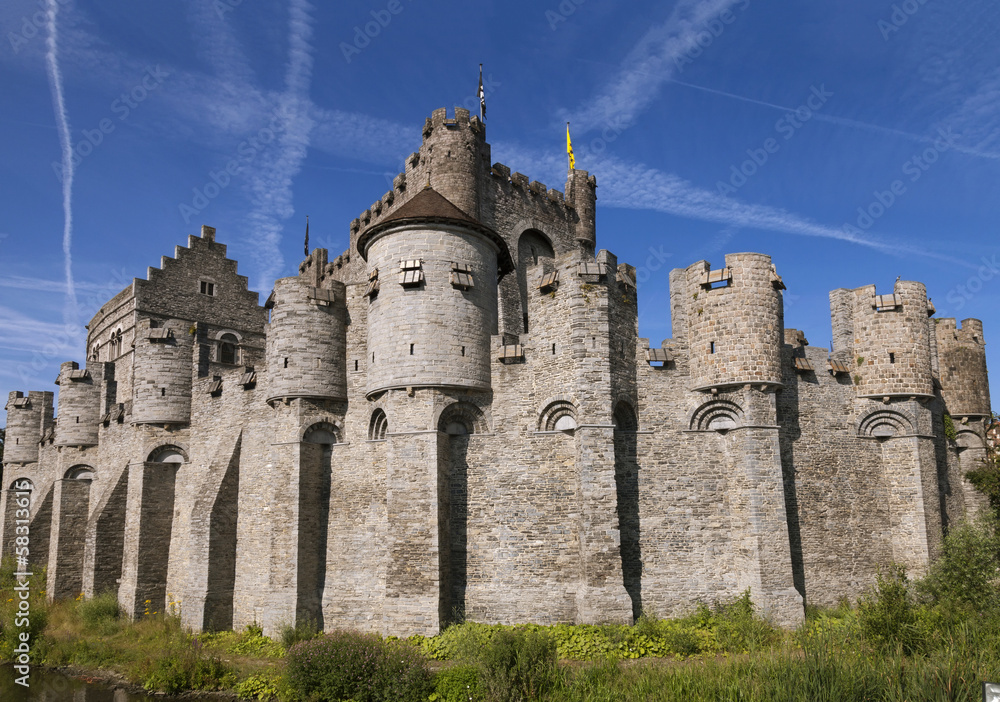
(569, 149)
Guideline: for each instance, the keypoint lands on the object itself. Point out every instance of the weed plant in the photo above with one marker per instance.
(347, 665)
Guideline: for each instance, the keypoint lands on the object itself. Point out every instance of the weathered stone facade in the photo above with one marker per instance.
(456, 417)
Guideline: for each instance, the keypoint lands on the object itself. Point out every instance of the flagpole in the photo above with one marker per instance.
(307, 236)
(569, 150)
(482, 96)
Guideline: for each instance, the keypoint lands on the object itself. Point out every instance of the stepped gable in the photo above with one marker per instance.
(431, 206)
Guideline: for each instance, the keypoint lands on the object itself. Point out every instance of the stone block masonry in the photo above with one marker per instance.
(455, 419)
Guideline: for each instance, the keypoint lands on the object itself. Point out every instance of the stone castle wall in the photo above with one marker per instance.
(391, 458)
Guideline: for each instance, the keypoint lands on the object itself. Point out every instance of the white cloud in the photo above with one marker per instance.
(649, 65)
(71, 313)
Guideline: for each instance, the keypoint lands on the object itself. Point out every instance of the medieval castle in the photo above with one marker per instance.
(456, 418)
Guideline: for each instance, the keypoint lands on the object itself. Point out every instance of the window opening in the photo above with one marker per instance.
(227, 349)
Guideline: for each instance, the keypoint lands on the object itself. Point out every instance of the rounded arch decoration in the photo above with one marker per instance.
(717, 415)
(460, 418)
(885, 423)
(18, 484)
(167, 453)
(966, 439)
(326, 433)
(80, 472)
(558, 415)
(378, 426)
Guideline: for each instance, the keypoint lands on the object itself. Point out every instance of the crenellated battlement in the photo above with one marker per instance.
(970, 331)
(961, 363)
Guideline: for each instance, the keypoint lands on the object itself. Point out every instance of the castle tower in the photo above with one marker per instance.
(581, 192)
(962, 366)
(731, 320)
(961, 356)
(27, 419)
(884, 339)
(433, 296)
(162, 372)
(307, 337)
(456, 156)
(79, 404)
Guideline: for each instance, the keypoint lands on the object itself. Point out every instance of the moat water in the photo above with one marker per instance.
(52, 686)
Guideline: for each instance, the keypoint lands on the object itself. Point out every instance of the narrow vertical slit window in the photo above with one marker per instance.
(711, 347)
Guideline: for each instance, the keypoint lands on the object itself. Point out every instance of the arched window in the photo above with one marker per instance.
(717, 415)
(322, 433)
(885, 423)
(22, 485)
(624, 418)
(95, 352)
(461, 418)
(558, 416)
(533, 248)
(228, 345)
(167, 454)
(378, 426)
(80, 473)
(116, 344)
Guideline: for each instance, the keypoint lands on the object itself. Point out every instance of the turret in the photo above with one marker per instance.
(432, 293)
(731, 319)
(581, 193)
(884, 339)
(456, 157)
(962, 367)
(162, 372)
(27, 419)
(307, 337)
(79, 404)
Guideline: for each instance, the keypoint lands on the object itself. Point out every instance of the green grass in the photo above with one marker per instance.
(936, 638)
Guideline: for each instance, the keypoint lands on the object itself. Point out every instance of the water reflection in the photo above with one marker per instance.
(50, 686)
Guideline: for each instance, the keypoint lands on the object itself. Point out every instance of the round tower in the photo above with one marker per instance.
(25, 417)
(892, 346)
(962, 367)
(162, 372)
(581, 192)
(307, 341)
(433, 296)
(457, 158)
(734, 324)
(79, 406)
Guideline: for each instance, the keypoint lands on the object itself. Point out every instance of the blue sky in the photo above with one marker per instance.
(854, 141)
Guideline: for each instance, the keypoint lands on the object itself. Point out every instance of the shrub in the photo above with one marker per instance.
(518, 665)
(886, 612)
(100, 611)
(362, 667)
(964, 576)
(186, 670)
(986, 479)
(291, 635)
(460, 683)
(257, 687)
